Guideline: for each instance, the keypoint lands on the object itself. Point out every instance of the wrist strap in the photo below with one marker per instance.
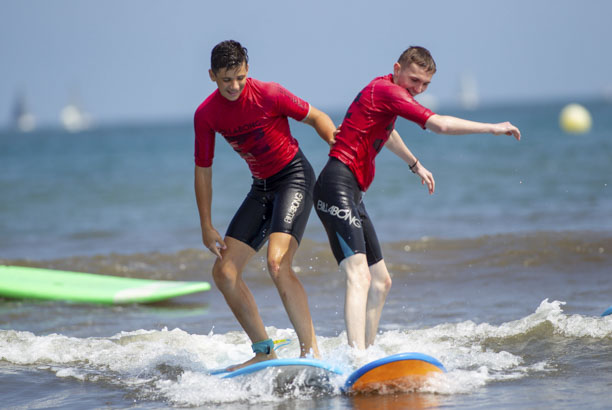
(413, 166)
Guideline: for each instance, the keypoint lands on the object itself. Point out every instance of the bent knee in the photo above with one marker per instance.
(276, 267)
(359, 277)
(223, 274)
(381, 284)
(384, 285)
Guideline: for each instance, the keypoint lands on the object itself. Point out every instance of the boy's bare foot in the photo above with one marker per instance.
(259, 357)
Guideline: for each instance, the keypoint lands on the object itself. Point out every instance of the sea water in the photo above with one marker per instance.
(501, 274)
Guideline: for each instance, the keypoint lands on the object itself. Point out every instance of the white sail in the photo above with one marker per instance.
(73, 118)
(23, 119)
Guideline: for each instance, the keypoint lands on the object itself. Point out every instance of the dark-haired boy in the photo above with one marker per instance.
(369, 125)
(252, 116)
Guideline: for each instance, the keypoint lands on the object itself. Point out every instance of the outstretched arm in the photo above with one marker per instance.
(445, 124)
(397, 146)
(322, 124)
(203, 192)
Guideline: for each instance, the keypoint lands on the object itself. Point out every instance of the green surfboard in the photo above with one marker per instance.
(37, 283)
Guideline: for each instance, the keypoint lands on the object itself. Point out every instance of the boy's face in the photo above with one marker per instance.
(412, 77)
(231, 81)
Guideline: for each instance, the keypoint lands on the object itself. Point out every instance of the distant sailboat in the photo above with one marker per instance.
(23, 119)
(468, 92)
(73, 118)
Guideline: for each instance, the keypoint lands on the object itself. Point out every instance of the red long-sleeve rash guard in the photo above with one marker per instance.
(368, 124)
(255, 125)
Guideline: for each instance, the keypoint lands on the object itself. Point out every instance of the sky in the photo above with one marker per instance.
(147, 60)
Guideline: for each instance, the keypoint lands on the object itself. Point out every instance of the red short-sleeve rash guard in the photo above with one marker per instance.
(255, 125)
(369, 122)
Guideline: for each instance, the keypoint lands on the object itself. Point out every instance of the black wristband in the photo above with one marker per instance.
(413, 166)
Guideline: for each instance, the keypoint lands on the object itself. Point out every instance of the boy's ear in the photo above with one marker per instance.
(396, 68)
(211, 74)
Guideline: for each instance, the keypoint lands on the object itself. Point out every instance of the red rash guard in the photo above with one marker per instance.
(368, 124)
(255, 125)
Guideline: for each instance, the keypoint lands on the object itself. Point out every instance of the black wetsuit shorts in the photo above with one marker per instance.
(280, 203)
(339, 205)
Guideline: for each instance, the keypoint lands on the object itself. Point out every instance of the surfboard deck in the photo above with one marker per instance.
(607, 312)
(311, 373)
(38, 283)
(285, 364)
(401, 372)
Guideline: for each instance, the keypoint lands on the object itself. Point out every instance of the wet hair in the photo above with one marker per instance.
(229, 55)
(420, 56)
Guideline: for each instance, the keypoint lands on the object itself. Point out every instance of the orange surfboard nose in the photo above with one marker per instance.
(403, 375)
(401, 372)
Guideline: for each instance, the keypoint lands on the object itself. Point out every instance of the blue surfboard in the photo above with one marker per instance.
(284, 364)
(310, 373)
(396, 373)
(607, 312)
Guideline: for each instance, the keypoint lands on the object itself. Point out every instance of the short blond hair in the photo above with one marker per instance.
(420, 56)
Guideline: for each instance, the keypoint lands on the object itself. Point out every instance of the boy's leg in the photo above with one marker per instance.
(227, 274)
(358, 280)
(281, 249)
(379, 288)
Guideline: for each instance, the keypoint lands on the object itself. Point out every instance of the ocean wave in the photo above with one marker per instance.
(546, 322)
(532, 250)
(529, 250)
(175, 365)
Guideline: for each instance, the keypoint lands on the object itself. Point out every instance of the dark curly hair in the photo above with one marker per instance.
(228, 54)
